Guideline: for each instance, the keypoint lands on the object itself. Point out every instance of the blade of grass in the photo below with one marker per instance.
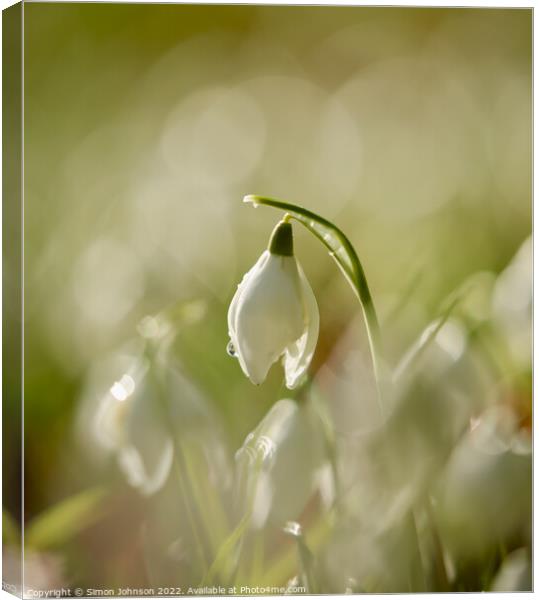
(257, 563)
(412, 357)
(214, 515)
(65, 520)
(179, 464)
(281, 570)
(403, 300)
(225, 563)
(305, 558)
(439, 560)
(227, 556)
(11, 532)
(306, 564)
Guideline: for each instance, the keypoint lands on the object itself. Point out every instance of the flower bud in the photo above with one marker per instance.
(274, 313)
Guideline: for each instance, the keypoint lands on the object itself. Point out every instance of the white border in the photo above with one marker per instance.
(396, 3)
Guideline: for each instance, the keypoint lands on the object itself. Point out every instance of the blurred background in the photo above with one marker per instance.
(145, 125)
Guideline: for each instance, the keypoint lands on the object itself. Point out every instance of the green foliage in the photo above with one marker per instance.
(65, 520)
(11, 532)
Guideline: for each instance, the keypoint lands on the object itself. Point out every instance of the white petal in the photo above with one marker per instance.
(299, 354)
(146, 456)
(148, 482)
(113, 412)
(268, 315)
(241, 286)
(232, 310)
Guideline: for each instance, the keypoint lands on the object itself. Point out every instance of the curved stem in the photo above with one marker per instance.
(344, 254)
(178, 459)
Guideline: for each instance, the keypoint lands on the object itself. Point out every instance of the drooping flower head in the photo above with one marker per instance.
(274, 313)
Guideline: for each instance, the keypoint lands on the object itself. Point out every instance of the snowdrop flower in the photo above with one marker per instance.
(129, 424)
(137, 417)
(274, 313)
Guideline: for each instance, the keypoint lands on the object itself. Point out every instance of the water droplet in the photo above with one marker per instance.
(230, 349)
(293, 528)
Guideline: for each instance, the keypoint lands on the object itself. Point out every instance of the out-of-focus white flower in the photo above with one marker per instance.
(277, 465)
(274, 313)
(515, 573)
(483, 497)
(129, 423)
(512, 304)
(141, 411)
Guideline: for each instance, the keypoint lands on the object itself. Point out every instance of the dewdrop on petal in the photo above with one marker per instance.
(274, 313)
(293, 528)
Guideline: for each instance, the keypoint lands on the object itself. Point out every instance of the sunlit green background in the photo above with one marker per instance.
(145, 125)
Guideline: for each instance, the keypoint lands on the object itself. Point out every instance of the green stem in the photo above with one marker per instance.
(179, 467)
(439, 561)
(178, 458)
